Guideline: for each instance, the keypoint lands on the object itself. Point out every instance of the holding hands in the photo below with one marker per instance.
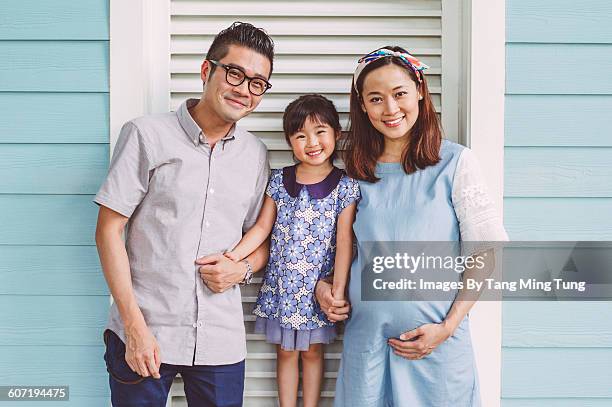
(336, 309)
(220, 272)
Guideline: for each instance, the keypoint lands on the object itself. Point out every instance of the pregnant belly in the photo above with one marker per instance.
(381, 320)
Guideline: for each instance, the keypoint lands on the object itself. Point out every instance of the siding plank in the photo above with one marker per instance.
(51, 270)
(54, 66)
(80, 367)
(47, 220)
(558, 120)
(551, 402)
(558, 218)
(53, 320)
(558, 172)
(559, 69)
(557, 324)
(54, 20)
(560, 372)
(559, 21)
(52, 168)
(68, 117)
(73, 402)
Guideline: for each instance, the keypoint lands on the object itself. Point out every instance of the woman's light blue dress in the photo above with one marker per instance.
(402, 207)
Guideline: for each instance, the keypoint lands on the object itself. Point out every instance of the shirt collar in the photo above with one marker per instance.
(191, 128)
(317, 191)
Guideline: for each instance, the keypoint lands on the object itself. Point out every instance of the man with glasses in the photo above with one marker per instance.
(187, 185)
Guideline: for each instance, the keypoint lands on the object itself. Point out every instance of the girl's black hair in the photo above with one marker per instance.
(312, 105)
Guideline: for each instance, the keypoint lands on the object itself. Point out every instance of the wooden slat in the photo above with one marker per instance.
(53, 320)
(67, 117)
(557, 324)
(336, 25)
(553, 120)
(316, 44)
(51, 270)
(54, 66)
(52, 168)
(318, 8)
(47, 219)
(54, 20)
(556, 373)
(559, 21)
(557, 69)
(558, 218)
(272, 356)
(269, 364)
(558, 172)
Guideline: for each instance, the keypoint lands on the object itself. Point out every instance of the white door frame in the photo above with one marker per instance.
(139, 46)
(484, 100)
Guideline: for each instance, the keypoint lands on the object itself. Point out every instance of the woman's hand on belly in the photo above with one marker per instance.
(420, 342)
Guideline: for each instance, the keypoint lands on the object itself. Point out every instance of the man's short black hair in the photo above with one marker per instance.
(241, 34)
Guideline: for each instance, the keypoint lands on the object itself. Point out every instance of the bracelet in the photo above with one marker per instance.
(249, 273)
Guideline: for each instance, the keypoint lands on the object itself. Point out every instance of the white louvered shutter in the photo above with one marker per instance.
(317, 44)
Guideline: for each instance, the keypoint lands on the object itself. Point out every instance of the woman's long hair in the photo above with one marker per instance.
(364, 144)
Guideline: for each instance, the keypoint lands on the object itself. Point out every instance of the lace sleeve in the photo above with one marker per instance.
(478, 219)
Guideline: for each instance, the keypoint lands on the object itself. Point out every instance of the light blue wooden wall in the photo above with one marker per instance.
(558, 186)
(54, 135)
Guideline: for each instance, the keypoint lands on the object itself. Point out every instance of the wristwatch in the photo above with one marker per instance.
(249, 274)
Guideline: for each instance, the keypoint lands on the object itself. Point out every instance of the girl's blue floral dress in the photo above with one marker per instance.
(302, 251)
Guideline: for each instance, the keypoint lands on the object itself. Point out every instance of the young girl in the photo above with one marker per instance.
(309, 208)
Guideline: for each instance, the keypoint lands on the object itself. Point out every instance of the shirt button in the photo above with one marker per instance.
(212, 191)
(207, 223)
(194, 325)
(200, 324)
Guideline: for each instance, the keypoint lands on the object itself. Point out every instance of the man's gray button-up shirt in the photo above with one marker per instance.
(184, 201)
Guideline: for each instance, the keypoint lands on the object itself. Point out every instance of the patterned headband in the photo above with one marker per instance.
(416, 65)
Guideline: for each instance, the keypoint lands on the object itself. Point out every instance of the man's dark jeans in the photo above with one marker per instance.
(210, 386)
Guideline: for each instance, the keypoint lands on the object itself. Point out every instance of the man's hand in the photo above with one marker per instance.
(142, 351)
(220, 273)
(335, 310)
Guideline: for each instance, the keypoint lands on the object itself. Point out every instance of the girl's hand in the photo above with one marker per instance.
(334, 310)
(420, 342)
(338, 294)
(232, 256)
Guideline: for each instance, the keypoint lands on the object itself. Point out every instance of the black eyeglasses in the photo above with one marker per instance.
(235, 76)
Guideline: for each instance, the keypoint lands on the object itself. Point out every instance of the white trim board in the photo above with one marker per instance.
(139, 44)
(485, 124)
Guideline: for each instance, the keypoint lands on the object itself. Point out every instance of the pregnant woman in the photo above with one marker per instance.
(415, 186)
